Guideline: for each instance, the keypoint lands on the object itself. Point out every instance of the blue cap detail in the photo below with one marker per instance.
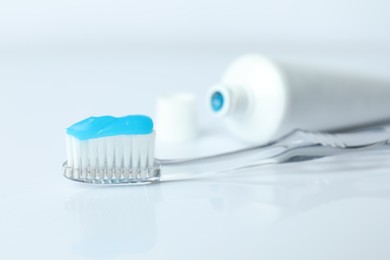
(217, 101)
(104, 126)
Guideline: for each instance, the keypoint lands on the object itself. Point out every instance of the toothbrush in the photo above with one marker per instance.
(110, 150)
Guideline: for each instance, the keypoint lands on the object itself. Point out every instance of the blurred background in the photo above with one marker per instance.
(174, 24)
(61, 61)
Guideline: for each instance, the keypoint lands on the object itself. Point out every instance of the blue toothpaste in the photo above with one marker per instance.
(104, 126)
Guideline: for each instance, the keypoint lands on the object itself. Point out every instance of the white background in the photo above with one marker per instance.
(62, 61)
(174, 22)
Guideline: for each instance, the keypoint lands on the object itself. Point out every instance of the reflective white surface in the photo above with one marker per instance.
(333, 208)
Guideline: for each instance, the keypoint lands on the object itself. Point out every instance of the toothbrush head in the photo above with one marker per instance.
(111, 150)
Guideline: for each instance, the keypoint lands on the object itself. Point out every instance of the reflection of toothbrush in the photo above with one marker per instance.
(109, 150)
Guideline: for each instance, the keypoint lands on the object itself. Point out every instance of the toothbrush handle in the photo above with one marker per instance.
(299, 145)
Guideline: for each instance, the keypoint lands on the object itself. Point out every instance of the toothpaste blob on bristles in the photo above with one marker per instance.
(111, 149)
(104, 126)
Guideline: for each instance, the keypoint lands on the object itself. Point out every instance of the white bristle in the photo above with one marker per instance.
(84, 157)
(84, 154)
(101, 152)
(92, 153)
(135, 152)
(136, 149)
(76, 152)
(126, 158)
(110, 153)
(127, 144)
(144, 151)
(76, 157)
(118, 151)
(144, 156)
(151, 151)
(69, 150)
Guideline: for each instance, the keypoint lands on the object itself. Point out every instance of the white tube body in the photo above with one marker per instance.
(263, 99)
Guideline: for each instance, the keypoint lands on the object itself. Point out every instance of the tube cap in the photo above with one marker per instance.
(176, 118)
